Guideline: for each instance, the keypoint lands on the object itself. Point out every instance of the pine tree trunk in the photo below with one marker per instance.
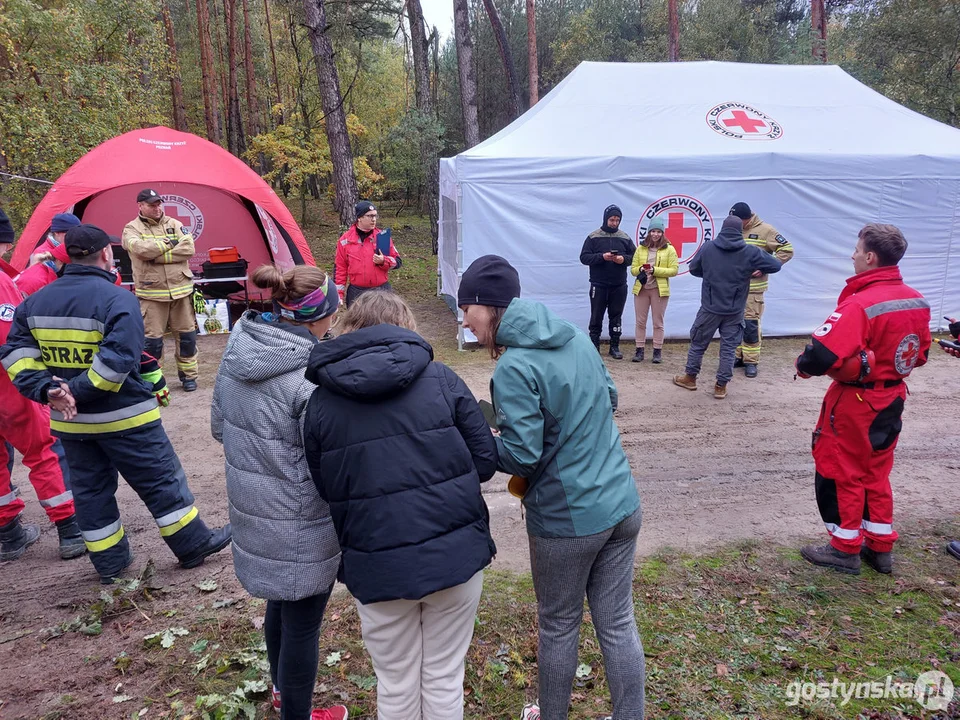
(673, 32)
(236, 143)
(466, 71)
(533, 76)
(253, 110)
(211, 108)
(273, 58)
(506, 56)
(818, 18)
(176, 84)
(344, 180)
(424, 100)
(221, 62)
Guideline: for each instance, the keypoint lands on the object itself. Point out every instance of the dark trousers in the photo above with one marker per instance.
(609, 300)
(150, 466)
(704, 327)
(292, 631)
(355, 291)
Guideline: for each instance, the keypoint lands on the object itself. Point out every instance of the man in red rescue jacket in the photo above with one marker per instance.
(358, 261)
(859, 424)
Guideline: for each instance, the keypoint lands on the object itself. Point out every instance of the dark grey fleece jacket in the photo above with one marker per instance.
(725, 264)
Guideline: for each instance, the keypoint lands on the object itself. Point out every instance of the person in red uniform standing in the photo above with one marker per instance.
(877, 315)
(26, 426)
(358, 261)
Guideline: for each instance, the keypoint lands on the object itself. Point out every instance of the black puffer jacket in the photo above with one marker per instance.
(398, 447)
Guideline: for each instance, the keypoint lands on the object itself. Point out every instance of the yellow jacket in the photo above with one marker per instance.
(765, 236)
(666, 266)
(160, 252)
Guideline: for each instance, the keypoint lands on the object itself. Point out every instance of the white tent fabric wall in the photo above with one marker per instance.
(811, 150)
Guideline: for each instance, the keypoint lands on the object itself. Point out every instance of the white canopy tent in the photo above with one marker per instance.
(811, 150)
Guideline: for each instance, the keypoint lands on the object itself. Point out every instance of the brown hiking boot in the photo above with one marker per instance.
(828, 556)
(685, 381)
(882, 562)
(719, 391)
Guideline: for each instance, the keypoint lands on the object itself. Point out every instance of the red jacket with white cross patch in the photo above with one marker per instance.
(876, 311)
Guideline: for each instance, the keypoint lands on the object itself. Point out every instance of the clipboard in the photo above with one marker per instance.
(489, 414)
(383, 241)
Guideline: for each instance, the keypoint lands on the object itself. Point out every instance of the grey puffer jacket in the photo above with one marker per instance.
(284, 543)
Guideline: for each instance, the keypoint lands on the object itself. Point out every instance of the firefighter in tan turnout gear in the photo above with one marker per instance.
(764, 236)
(160, 249)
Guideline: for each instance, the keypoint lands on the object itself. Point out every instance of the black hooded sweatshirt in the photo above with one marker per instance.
(602, 240)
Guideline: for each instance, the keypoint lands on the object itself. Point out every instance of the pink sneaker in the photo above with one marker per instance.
(335, 712)
(530, 712)
(275, 698)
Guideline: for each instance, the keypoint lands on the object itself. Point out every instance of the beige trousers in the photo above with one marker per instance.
(418, 649)
(648, 300)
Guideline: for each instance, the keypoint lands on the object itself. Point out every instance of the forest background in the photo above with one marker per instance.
(358, 98)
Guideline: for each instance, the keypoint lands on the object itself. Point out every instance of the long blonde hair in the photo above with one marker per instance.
(377, 307)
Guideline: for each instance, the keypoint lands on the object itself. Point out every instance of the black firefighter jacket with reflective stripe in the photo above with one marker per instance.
(88, 331)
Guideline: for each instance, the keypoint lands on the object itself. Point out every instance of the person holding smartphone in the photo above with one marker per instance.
(360, 265)
(654, 263)
(608, 252)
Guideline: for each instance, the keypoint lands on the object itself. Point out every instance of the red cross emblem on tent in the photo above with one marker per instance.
(186, 211)
(743, 122)
(687, 224)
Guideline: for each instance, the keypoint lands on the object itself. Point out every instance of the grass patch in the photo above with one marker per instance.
(724, 634)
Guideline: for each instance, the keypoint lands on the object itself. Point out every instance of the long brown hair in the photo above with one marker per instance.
(496, 316)
(648, 244)
(295, 283)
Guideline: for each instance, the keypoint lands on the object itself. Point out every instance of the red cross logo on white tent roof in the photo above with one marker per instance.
(743, 122)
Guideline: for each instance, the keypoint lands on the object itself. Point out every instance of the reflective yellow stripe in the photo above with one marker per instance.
(125, 424)
(151, 293)
(760, 286)
(24, 364)
(62, 335)
(101, 383)
(169, 530)
(106, 543)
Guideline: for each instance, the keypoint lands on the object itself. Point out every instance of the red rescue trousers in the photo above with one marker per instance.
(26, 426)
(853, 448)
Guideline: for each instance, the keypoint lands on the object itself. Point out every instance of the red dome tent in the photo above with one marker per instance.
(219, 198)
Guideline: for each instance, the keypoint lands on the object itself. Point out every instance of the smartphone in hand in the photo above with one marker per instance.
(489, 414)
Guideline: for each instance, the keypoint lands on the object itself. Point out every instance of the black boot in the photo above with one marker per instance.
(738, 362)
(882, 562)
(750, 370)
(216, 542)
(639, 356)
(15, 538)
(828, 556)
(71, 541)
(596, 342)
(657, 357)
(953, 547)
(615, 350)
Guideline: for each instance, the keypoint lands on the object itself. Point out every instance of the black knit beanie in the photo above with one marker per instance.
(742, 211)
(362, 208)
(609, 212)
(6, 229)
(490, 280)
